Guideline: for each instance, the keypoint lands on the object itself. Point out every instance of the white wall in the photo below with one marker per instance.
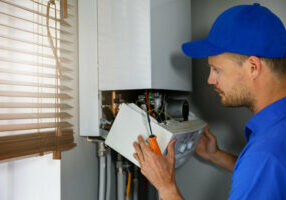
(30, 179)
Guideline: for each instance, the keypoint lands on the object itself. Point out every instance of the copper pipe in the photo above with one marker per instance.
(113, 104)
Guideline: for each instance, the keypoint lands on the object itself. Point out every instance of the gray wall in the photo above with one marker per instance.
(199, 180)
(79, 166)
(79, 172)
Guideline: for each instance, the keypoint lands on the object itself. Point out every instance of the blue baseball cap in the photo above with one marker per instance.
(244, 29)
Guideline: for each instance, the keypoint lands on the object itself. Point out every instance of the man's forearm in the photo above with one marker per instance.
(224, 160)
(170, 193)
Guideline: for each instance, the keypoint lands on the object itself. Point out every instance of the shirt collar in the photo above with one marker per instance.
(265, 117)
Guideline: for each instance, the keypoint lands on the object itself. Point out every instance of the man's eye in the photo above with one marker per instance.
(216, 70)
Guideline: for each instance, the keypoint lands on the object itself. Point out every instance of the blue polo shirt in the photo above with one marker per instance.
(260, 170)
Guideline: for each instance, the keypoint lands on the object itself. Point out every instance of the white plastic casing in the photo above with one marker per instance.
(88, 70)
(187, 134)
(140, 44)
(185, 145)
(131, 121)
(130, 44)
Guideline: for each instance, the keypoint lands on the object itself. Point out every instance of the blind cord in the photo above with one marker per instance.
(58, 72)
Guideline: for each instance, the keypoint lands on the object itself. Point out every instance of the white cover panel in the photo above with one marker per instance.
(124, 44)
(128, 125)
(88, 70)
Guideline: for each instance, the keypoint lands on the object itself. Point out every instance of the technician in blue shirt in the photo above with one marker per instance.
(246, 50)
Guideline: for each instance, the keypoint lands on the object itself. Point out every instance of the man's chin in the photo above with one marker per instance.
(225, 102)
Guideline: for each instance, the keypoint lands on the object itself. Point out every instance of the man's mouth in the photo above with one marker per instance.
(220, 92)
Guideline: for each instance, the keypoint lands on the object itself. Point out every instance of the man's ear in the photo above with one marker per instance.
(255, 66)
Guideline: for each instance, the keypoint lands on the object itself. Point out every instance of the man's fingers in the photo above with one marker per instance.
(143, 144)
(171, 151)
(206, 129)
(135, 155)
(208, 134)
(140, 155)
(171, 147)
(202, 140)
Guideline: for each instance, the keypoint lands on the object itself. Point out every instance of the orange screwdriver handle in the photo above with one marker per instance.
(154, 145)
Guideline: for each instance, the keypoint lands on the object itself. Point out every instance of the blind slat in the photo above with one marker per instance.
(35, 33)
(33, 84)
(34, 149)
(33, 105)
(22, 51)
(27, 73)
(32, 43)
(70, 15)
(8, 139)
(31, 63)
(35, 143)
(64, 23)
(8, 116)
(70, 6)
(64, 32)
(34, 94)
(16, 127)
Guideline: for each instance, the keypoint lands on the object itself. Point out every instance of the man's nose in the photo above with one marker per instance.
(211, 79)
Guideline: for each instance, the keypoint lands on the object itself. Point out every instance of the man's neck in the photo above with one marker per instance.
(267, 97)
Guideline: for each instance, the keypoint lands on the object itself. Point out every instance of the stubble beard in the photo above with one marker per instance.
(237, 97)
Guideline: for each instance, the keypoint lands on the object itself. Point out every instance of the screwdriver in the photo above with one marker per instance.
(153, 144)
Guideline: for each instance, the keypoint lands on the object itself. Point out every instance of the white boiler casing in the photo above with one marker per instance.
(139, 44)
(130, 45)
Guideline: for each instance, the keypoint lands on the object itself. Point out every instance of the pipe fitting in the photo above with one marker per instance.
(101, 149)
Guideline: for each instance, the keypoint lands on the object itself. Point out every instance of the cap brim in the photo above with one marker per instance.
(201, 48)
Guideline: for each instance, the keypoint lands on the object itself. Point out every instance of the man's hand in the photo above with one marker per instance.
(207, 149)
(160, 171)
(207, 146)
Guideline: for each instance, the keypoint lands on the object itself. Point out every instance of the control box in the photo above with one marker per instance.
(187, 134)
(131, 121)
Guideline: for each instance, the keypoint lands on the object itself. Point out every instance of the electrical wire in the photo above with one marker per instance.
(147, 101)
(161, 111)
(150, 111)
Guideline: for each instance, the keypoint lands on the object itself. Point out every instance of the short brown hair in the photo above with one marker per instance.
(277, 65)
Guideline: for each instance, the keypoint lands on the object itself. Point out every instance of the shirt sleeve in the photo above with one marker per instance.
(258, 176)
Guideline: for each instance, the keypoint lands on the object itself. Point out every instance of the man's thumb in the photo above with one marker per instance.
(171, 148)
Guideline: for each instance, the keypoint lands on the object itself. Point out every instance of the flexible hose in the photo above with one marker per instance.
(102, 173)
(135, 184)
(120, 185)
(108, 184)
(135, 191)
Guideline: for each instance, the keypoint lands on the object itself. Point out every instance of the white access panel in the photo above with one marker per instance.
(139, 44)
(88, 70)
(131, 121)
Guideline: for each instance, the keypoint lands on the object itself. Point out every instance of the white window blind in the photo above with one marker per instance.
(36, 77)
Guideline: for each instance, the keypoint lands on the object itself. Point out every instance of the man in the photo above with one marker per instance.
(246, 50)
